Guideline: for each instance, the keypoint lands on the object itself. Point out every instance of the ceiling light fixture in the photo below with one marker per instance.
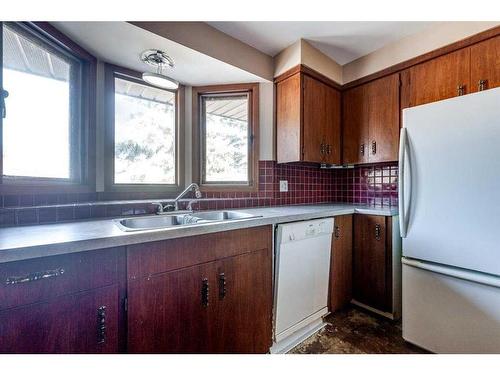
(158, 59)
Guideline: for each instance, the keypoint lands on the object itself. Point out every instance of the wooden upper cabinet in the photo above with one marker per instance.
(333, 125)
(288, 119)
(485, 65)
(355, 125)
(308, 120)
(383, 119)
(441, 78)
(371, 121)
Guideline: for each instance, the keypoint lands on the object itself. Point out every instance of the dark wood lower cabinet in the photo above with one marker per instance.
(243, 322)
(372, 262)
(220, 306)
(172, 312)
(85, 322)
(341, 263)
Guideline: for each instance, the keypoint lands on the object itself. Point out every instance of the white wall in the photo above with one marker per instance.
(411, 46)
(266, 120)
(301, 52)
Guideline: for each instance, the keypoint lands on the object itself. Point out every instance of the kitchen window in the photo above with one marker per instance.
(225, 137)
(143, 129)
(45, 108)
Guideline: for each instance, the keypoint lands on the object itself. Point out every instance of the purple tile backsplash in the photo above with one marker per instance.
(307, 184)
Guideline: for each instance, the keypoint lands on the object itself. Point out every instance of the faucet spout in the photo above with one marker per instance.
(197, 194)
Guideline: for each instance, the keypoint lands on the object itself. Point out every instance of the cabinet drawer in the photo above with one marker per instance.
(162, 256)
(36, 280)
(85, 322)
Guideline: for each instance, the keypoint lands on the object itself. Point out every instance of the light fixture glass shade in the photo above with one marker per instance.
(159, 80)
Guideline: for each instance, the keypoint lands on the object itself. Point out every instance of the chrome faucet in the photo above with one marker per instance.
(174, 206)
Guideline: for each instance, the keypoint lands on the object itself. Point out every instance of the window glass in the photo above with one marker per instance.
(226, 138)
(37, 129)
(145, 147)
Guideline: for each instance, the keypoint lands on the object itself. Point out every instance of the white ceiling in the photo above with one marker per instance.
(121, 43)
(343, 41)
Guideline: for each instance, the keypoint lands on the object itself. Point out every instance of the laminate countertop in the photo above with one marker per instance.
(26, 242)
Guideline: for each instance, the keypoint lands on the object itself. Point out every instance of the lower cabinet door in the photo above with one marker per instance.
(341, 263)
(171, 312)
(370, 262)
(85, 322)
(244, 303)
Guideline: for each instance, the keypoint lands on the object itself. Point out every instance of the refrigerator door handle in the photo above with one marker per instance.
(403, 153)
(472, 276)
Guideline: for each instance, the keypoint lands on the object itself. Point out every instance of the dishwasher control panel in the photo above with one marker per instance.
(306, 229)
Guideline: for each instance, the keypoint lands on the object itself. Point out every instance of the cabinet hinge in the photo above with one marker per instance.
(125, 304)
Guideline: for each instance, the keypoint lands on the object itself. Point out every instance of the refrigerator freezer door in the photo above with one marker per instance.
(444, 311)
(452, 165)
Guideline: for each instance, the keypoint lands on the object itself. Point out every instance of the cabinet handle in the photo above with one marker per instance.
(362, 149)
(374, 147)
(101, 324)
(204, 292)
(482, 84)
(35, 276)
(222, 285)
(461, 90)
(378, 231)
(3, 95)
(336, 231)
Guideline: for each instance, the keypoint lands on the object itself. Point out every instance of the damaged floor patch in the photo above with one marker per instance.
(353, 331)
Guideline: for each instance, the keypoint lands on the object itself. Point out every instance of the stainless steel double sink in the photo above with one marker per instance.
(175, 219)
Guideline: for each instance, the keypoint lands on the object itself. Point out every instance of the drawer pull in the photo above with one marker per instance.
(101, 324)
(378, 232)
(222, 286)
(336, 231)
(204, 292)
(482, 84)
(13, 280)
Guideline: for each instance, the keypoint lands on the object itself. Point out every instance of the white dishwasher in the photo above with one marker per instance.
(302, 273)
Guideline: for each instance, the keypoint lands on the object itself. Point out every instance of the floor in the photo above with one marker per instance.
(354, 331)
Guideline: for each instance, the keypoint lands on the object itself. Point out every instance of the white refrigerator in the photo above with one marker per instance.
(449, 210)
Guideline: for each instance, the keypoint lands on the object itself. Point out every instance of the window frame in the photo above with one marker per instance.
(83, 157)
(115, 71)
(252, 90)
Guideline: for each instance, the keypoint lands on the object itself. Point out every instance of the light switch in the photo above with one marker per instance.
(283, 186)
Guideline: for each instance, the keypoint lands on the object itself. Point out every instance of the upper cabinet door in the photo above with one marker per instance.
(315, 110)
(440, 78)
(307, 120)
(355, 125)
(485, 65)
(383, 119)
(332, 126)
(288, 119)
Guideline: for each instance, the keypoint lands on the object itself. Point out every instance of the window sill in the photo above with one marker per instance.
(31, 187)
